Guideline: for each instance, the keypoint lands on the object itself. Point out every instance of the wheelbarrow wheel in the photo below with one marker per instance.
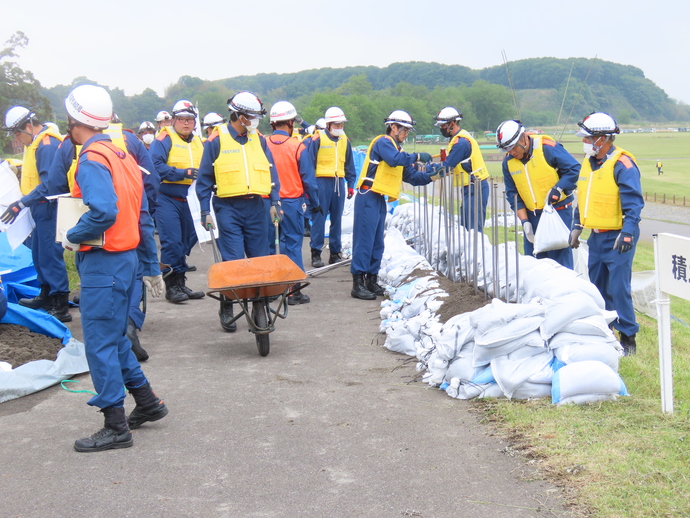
(261, 320)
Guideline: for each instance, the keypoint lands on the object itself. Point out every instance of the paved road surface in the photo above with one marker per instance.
(325, 426)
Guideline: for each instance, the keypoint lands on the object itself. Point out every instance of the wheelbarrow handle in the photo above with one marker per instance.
(276, 224)
(214, 245)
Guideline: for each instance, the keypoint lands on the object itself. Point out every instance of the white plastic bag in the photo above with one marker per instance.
(551, 233)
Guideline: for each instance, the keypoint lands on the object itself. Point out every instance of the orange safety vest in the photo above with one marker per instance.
(126, 176)
(286, 152)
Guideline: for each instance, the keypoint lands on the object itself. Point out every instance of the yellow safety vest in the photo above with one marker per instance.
(462, 178)
(598, 196)
(183, 155)
(388, 179)
(330, 160)
(241, 169)
(534, 179)
(73, 168)
(30, 177)
(115, 133)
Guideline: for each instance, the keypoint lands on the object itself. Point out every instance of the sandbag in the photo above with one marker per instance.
(585, 382)
(511, 373)
(552, 233)
(562, 311)
(527, 345)
(461, 366)
(608, 353)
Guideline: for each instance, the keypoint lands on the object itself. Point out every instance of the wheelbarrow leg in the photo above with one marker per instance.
(260, 317)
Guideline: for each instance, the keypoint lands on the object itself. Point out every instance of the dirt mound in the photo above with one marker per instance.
(19, 345)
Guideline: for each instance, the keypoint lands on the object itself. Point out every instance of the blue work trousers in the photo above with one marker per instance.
(175, 231)
(367, 233)
(332, 194)
(611, 273)
(241, 227)
(46, 253)
(107, 280)
(563, 256)
(471, 195)
(291, 229)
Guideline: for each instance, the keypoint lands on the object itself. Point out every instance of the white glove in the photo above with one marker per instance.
(67, 244)
(154, 283)
(528, 230)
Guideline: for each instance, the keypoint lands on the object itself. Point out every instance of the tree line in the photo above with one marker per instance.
(545, 88)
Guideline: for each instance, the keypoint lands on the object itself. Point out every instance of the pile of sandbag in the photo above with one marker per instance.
(555, 342)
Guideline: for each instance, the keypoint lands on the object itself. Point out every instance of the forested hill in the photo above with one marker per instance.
(367, 94)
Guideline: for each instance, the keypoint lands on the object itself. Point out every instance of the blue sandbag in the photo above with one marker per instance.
(36, 321)
(19, 261)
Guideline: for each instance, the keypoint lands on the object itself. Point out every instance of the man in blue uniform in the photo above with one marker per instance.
(41, 143)
(385, 167)
(609, 196)
(176, 155)
(239, 163)
(329, 155)
(465, 160)
(538, 170)
(109, 182)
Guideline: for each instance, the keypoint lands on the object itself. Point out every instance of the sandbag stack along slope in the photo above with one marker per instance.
(555, 342)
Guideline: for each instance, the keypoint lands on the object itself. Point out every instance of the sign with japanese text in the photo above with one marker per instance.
(673, 259)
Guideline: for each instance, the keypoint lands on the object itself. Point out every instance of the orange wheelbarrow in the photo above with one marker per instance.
(259, 280)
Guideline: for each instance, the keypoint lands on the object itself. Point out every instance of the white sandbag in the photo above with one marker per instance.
(608, 353)
(525, 346)
(453, 335)
(592, 325)
(457, 389)
(529, 390)
(436, 370)
(490, 317)
(461, 366)
(509, 331)
(552, 233)
(564, 310)
(589, 380)
(511, 373)
(399, 339)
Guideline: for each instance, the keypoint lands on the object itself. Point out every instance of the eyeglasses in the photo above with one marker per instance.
(186, 121)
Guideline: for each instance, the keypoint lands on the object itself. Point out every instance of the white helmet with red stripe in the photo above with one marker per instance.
(283, 111)
(334, 114)
(90, 106)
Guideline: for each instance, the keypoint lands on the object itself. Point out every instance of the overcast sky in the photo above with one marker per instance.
(134, 45)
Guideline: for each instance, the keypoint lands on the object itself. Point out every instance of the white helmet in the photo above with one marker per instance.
(184, 107)
(162, 116)
(321, 123)
(246, 103)
(311, 129)
(400, 118)
(334, 114)
(212, 119)
(447, 115)
(17, 117)
(508, 133)
(283, 111)
(146, 125)
(597, 124)
(90, 106)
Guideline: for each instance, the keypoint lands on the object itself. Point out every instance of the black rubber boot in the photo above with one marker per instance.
(173, 292)
(316, 261)
(372, 284)
(137, 349)
(115, 433)
(59, 307)
(191, 295)
(358, 289)
(335, 258)
(629, 344)
(40, 301)
(307, 228)
(298, 298)
(149, 408)
(226, 315)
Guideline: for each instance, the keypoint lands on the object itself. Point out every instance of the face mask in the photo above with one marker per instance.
(444, 131)
(337, 132)
(588, 149)
(148, 138)
(253, 125)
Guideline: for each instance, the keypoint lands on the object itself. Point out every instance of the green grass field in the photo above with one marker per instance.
(673, 148)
